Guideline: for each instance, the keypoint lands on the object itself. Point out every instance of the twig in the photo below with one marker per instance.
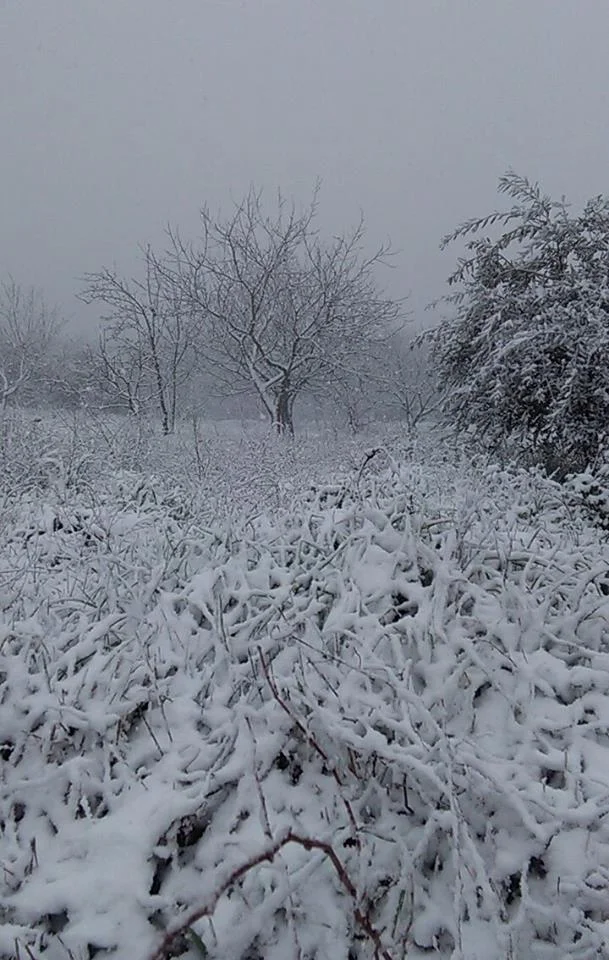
(267, 856)
(308, 736)
(369, 456)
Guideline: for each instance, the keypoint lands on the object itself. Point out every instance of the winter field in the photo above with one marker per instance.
(273, 700)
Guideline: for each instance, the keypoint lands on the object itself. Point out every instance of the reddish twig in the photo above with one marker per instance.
(267, 856)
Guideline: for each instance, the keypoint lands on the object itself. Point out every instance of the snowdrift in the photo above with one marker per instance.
(363, 729)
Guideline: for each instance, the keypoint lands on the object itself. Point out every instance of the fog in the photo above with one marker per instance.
(118, 117)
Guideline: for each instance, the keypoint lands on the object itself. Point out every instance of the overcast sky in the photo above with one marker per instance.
(120, 115)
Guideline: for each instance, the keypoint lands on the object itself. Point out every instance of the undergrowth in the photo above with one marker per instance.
(372, 724)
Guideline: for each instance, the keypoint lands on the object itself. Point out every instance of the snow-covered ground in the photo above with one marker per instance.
(267, 700)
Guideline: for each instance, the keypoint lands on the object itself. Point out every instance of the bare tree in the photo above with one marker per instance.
(284, 311)
(147, 347)
(409, 386)
(75, 380)
(123, 372)
(27, 330)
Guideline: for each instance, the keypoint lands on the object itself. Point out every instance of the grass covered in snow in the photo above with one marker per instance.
(366, 719)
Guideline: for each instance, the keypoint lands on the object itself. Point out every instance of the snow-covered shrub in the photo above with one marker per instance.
(361, 728)
(226, 469)
(590, 489)
(48, 452)
(525, 357)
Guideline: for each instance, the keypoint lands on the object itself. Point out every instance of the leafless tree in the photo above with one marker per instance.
(27, 330)
(75, 380)
(408, 383)
(395, 381)
(147, 348)
(284, 311)
(123, 373)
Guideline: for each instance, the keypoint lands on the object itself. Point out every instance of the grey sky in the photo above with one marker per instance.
(120, 115)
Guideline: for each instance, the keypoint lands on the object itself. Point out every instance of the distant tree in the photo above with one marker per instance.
(285, 312)
(525, 357)
(409, 387)
(124, 375)
(392, 382)
(147, 347)
(75, 382)
(28, 328)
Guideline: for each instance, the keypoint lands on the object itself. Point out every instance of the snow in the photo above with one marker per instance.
(406, 666)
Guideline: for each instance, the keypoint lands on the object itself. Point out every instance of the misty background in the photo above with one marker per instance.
(304, 610)
(119, 117)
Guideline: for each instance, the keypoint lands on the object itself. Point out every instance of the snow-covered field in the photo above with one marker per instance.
(269, 701)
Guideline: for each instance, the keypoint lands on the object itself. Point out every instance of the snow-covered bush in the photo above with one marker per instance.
(225, 468)
(525, 358)
(362, 728)
(50, 451)
(590, 490)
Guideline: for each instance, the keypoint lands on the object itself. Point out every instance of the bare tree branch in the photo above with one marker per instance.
(284, 311)
(147, 349)
(27, 329)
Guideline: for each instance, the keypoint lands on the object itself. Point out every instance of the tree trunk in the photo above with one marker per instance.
(284, 421)
(160, 394)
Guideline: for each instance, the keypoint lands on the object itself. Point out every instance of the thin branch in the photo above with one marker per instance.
(267, 856)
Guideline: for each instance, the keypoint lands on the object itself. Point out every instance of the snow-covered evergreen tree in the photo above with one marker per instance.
(526, 355)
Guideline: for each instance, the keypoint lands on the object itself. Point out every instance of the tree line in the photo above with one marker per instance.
(261, 305)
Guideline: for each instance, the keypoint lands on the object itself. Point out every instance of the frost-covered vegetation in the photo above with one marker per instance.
(344, 695)
(324, 699)
(523, 355)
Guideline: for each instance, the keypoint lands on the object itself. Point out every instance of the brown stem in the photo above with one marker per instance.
(267, 856)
